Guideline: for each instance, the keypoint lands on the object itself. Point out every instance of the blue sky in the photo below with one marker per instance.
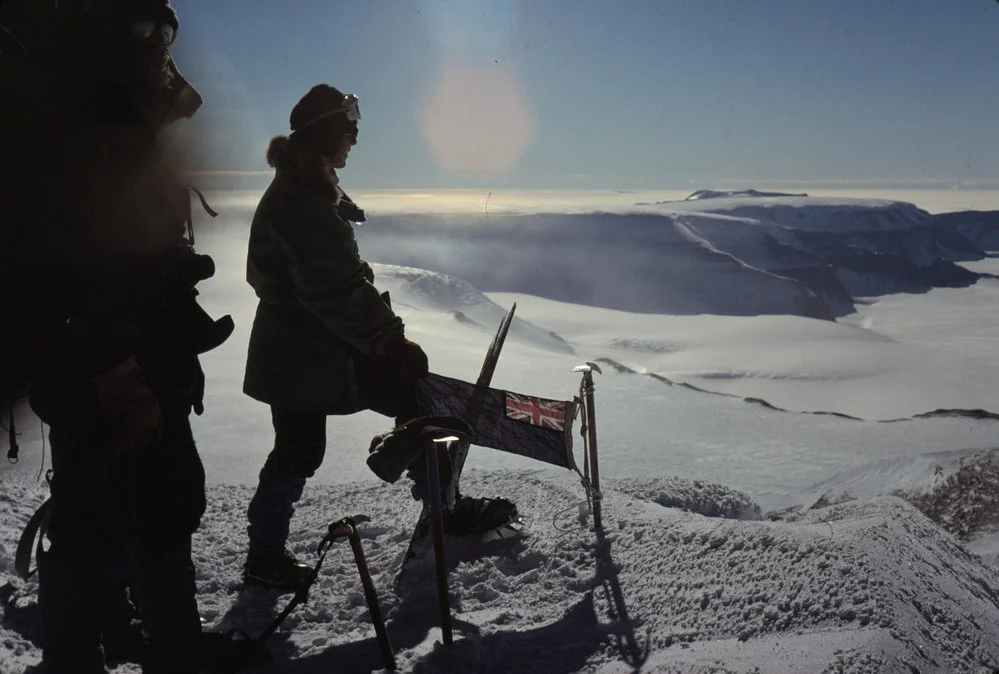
(657, 94)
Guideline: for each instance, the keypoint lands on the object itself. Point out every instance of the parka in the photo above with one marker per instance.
(317, 311)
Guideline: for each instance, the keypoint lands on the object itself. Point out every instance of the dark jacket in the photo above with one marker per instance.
(96, 245)
(317, 310)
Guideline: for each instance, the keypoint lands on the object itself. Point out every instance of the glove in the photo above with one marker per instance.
(133, 411)
(391, 453)
(369, 273)
(408, 354)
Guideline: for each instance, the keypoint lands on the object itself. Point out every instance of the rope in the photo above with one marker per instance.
(561, 513)
(41, 468)
(14, 38)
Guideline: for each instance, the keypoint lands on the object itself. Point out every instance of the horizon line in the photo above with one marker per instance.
(950, 183)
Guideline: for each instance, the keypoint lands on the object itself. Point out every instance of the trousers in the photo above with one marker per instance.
(120, 535)
(300, 447)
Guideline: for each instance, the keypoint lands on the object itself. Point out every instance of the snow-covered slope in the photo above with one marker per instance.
(434, 294)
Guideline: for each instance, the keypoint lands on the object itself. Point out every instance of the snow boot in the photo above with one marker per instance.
(276, 568)
(476, 516)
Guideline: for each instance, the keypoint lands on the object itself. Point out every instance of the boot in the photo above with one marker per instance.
(67, 594)
(276, 568)
(475, 516)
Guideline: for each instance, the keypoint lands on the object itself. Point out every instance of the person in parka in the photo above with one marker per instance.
(99, 272)
(324, 341)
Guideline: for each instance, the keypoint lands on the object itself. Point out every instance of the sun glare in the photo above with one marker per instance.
(479, 119)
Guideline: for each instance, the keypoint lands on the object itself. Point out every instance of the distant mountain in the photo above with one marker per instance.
(980, 227)
(719, 252)
(627, 261)
(718, 194)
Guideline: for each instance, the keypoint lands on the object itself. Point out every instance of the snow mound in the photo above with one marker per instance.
(692, 496)
(433, 291)
(659, 590)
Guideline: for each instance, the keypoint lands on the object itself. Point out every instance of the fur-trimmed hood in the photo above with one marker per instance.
(304, 167)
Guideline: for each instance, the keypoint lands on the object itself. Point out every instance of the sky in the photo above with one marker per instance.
(706, 423)
(626, 95)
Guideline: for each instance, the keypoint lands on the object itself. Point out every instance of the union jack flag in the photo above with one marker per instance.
(537, 428)
(536, 411)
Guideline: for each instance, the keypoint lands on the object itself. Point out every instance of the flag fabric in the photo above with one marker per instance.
(538, 428)
(536, 411)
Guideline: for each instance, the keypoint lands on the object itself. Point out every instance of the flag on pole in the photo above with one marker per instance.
(536, 411)
(538, 428)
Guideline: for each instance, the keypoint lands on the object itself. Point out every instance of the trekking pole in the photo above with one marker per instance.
(591, 438)
(437, 520)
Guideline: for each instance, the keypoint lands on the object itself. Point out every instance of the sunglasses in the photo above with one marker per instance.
(146, 30)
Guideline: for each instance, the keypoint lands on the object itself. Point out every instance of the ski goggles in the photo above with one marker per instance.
(348, 109)
(145, 30)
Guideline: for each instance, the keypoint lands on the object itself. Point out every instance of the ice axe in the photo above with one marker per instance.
(343, 528)
(589, 430)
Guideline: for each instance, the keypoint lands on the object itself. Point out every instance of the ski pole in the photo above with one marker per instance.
(437, 520)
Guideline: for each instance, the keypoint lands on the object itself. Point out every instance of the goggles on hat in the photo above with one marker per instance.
(147, 29)
(349, 108)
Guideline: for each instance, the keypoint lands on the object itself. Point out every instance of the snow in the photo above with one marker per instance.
(708, 422)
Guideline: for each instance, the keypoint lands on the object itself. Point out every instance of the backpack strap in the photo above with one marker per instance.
(35, 529)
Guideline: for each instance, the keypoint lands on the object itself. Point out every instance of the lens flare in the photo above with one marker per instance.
(479, 119)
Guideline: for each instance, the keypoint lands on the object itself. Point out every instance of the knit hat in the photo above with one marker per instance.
(158, 9)
(167, 13)
(114, 11)
(321, 101)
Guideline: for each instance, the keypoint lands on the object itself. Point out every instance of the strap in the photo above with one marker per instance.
(204, 202)
(36, 528)
(340, 529)
(190, 217)
(12, 452)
